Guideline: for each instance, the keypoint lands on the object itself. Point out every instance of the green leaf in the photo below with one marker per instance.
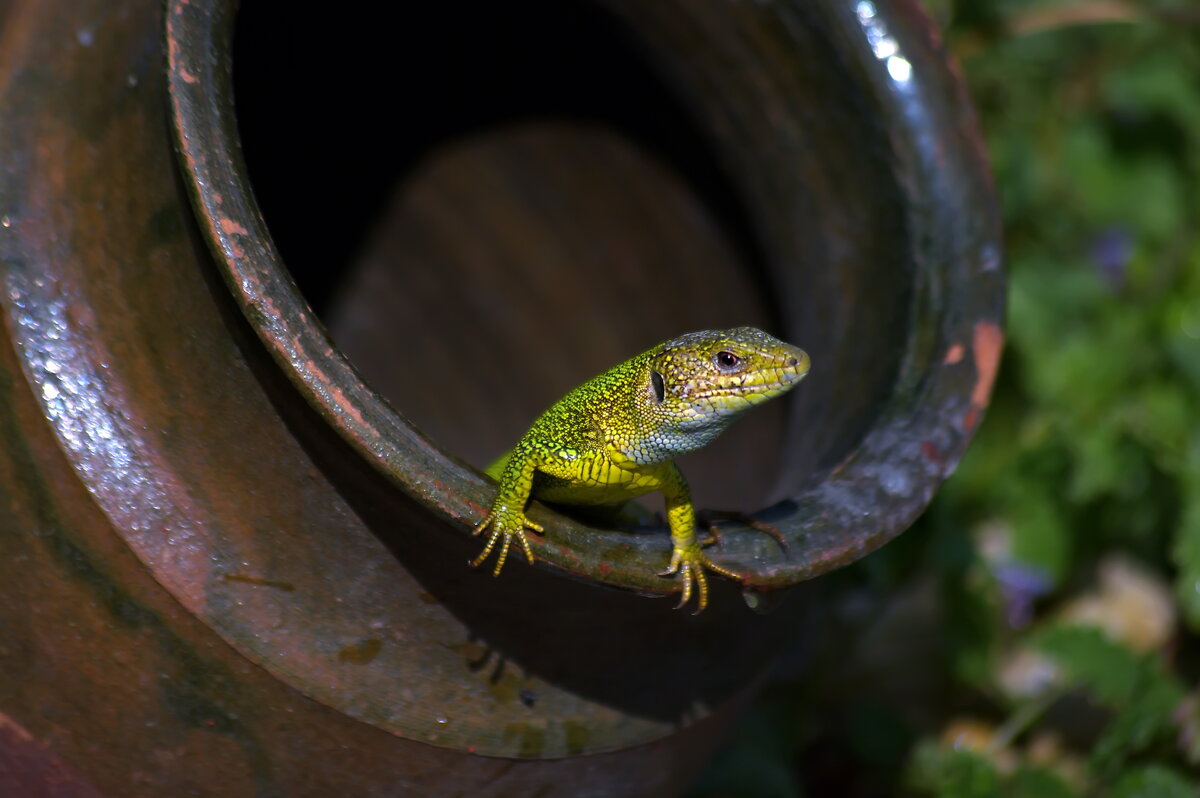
(1136, 726)
(949, 773)
(1144, 697)
(1099, 464)
(1161, 417)
(1091, 660)
(1041, 534)
(1155, 87)
(1186, 554)
(1036, 782)
(1155, 781)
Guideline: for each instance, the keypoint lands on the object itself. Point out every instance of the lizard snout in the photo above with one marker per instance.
(796, 363)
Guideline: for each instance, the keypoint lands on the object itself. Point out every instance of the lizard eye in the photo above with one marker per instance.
(656, 385)
(726, 361)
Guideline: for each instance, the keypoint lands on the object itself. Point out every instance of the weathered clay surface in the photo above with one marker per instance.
(231, 567)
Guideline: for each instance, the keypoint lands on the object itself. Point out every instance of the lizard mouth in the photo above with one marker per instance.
(761, 384)
(772, 381)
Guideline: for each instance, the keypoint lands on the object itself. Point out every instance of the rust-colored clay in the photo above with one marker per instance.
(234, 531)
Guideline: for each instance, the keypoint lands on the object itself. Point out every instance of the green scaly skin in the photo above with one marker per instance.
(615, 437)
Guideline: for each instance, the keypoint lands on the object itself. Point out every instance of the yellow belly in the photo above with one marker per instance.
(593, 479)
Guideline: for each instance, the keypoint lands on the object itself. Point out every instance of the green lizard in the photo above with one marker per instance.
(615, 437)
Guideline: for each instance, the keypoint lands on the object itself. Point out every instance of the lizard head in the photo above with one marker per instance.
(704, 380)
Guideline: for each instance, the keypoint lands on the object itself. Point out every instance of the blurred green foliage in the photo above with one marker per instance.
(1035, 634)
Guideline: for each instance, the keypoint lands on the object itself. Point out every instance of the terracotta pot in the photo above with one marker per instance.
(239, 494)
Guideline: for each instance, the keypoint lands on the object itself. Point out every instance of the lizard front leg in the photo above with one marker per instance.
(688, 560)
(507, 516)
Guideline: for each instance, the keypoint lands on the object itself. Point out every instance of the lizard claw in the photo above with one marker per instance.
(689, 564)
(505, 526)
(713, 516)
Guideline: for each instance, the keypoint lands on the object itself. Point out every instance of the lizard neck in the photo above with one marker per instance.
(665, 442)
(660, 431)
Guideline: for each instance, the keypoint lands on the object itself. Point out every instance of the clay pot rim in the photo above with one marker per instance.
(915, 441)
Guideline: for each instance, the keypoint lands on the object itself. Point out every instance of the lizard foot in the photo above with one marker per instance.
(712, 517)
(505, 525)
(689, 564)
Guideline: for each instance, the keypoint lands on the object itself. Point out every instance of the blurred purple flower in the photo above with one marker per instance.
(1111, 250)
(1020, 585)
